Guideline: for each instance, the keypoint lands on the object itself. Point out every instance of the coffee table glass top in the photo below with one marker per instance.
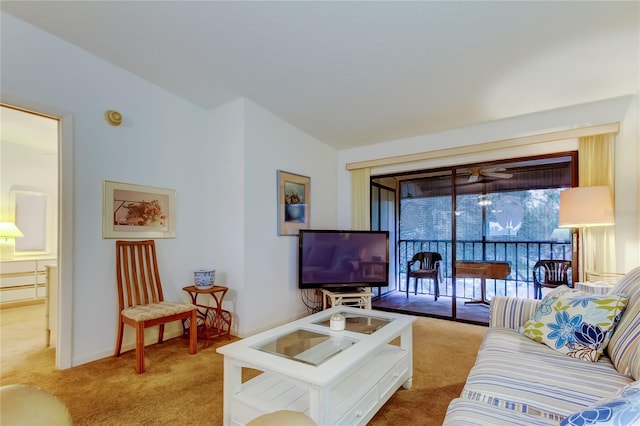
(366, 324)
(306, 346)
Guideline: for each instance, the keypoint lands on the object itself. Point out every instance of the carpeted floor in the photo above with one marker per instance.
(179, 388)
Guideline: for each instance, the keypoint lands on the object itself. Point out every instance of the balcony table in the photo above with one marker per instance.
(482, 270)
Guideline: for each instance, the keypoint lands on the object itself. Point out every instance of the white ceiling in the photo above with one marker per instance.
(356, 73)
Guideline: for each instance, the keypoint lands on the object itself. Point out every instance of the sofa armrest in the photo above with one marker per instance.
(511, 312)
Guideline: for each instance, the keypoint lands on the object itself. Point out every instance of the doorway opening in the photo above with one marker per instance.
(29, 194)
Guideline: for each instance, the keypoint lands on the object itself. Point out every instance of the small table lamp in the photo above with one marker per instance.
(9, 230)
(584, 207)
(8, 233)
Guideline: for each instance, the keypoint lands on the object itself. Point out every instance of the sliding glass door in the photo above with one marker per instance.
(488, 222)
(383, 218)
(425, 227)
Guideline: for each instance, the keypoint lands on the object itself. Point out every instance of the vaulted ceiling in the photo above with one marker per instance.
(357, 73)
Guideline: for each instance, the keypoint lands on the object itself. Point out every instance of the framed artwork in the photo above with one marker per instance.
(137, 211)
(294, 206)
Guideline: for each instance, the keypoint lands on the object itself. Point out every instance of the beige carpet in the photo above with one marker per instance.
(181, 389)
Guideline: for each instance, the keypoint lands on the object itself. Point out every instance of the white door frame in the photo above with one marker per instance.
(64, 327)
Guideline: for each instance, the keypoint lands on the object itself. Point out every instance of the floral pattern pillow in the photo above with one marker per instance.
(577, 324)
(621, 409)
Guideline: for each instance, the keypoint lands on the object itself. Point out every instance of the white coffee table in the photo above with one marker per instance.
(334, 377)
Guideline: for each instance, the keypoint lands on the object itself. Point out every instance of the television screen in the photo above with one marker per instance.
(334, 259)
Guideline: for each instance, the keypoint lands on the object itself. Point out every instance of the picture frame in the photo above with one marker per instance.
(138, 212)
(294, 203)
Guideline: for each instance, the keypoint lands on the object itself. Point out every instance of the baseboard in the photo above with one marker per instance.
(129, 343)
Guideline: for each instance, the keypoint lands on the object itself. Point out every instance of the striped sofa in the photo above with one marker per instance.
(518, 381)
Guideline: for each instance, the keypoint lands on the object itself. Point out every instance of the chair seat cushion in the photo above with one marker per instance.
(156, 310)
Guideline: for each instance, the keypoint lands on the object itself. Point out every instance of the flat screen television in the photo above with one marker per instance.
(336, 260)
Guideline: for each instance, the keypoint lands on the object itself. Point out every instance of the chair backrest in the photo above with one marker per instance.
(137, 273)
(427, 259)
(552, 271)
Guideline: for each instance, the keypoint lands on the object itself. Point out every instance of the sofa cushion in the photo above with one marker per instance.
(464, 412)
(511, 312)
(624, 347)
(576, 324)
(515, 372)
(621, 409)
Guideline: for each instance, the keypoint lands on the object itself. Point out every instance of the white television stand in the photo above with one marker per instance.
(360, 298)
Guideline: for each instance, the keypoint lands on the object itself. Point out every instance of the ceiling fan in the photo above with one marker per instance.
(494, 172)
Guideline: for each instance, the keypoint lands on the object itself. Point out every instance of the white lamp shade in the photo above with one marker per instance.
(9, 230)
(586, 206)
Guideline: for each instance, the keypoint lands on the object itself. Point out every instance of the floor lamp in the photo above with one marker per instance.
(585, 207)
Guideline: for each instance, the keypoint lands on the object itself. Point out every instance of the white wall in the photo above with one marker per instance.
(270, 284)
(156, 143)
(222, 163)
(223, 236)
(624, 110)
(247, 146)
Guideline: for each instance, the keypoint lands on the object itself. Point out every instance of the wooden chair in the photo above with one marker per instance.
(429, 265)
(550, 273)
(140, 297)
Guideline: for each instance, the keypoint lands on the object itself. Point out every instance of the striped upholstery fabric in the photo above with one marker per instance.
(464, 412)
(515, 372)
(517, 381)
(593, 288)
(624, 346)
(156, 310)
(511, 312)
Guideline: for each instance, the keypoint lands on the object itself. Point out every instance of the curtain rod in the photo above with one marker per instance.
(489, 146)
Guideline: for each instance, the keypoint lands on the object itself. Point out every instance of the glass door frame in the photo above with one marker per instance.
(455, 173)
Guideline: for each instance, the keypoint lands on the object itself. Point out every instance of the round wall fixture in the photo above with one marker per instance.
(113, 117)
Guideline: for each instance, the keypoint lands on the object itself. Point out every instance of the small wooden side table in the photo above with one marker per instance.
(213, 321)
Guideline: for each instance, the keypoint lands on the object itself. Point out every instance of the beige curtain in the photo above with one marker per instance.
(361, 199)
(596, 167)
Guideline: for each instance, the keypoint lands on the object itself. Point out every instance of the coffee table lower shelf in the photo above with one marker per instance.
(352, 399)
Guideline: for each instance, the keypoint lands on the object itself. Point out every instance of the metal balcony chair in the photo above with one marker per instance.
(551, 274)
(425, 265)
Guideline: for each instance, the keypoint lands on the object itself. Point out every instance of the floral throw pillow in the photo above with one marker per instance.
(621, 409)
(577, 324)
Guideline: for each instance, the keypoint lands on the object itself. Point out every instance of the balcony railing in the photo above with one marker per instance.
(521, 255)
